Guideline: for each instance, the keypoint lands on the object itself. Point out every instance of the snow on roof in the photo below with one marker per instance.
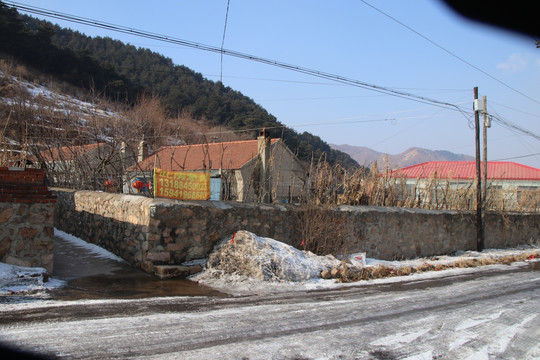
(223, 155)
(497, 170)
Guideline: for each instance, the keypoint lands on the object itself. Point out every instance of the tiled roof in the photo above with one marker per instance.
(68, 152)
(225, 155)
(497, 170)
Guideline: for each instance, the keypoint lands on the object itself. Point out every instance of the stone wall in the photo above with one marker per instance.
(26, 218)
(147, 232)
(155, 233)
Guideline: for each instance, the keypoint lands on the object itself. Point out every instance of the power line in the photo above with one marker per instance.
(307, 71)
(232, 53)
(223, 39)
(517, 157)
(514, 109)
(449, 52)
(512, 126)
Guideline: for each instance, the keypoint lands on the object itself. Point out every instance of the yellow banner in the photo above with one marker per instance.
(181, 185)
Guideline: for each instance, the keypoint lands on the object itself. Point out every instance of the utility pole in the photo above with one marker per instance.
(479, 224)
(484, 140)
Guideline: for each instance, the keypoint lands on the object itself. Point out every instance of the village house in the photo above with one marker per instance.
(262, 170)
(98, 166)
(517, 182)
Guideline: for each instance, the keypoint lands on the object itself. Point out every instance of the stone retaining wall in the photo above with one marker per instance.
(156, 233)
(26, 218)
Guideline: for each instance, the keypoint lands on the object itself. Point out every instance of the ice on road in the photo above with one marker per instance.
(494, 313)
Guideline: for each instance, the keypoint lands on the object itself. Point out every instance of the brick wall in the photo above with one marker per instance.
(152, 233)
(26, 218)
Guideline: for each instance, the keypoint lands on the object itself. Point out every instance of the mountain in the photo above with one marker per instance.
(122, 73)
(412, 156)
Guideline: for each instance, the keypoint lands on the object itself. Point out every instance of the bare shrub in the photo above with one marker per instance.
(353, 274)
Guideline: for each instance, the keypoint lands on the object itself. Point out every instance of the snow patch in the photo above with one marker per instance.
(400, 338)
(99, 251)
(25, 281)
(248, 255)
(469, 323)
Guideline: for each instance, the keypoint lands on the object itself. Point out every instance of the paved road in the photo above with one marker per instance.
(488, 314)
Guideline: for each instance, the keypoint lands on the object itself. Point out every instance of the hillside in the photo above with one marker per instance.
(123, 73)
(412, 156)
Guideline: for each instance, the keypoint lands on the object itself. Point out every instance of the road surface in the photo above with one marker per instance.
(491, 313)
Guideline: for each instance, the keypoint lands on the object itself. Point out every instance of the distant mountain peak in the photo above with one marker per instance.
(412, 156)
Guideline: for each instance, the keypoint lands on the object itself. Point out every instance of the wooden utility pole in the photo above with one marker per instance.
(484, 140)
(479, 227)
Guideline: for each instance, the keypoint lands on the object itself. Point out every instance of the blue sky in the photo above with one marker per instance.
(354, 39)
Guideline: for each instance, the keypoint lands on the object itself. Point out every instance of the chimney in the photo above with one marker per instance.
(143, 151)
(263, 142)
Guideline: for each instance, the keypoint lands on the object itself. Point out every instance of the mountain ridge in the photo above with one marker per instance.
(412, 156)
(124, 74)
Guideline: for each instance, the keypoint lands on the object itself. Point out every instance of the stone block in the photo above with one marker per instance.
(194, 269)
(6, 214)
(153, 237)
(147, 266)
(326, 274)
(162, 256)
(175, 246)
(17, 261)
(171, 271)
(5, 245)
(27, 232)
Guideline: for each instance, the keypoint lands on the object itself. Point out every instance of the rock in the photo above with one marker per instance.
(171, 271)
(326, 274)
(194, 269)
(5, 215)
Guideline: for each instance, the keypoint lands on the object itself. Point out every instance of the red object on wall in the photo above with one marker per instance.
(137, 184)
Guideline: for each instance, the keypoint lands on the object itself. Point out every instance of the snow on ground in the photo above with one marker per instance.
(248, 264)
(34, 282)
(59, 103)
(101, 252)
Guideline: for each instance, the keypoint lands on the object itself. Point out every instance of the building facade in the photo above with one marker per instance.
(261, 170)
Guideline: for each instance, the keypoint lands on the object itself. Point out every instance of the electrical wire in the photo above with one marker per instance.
(449, 52)
(223, 40)
(232, 53)
(517, 157)
(512, 126)
(320, 74)
(514, 109)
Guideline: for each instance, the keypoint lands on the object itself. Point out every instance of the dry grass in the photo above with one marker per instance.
(338, 186)
(353, 274)
(30, 125)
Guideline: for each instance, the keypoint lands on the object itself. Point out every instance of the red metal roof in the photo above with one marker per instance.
(224, 155)
(68, 152)
(497, 170)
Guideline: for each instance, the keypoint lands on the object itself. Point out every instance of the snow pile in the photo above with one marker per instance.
(25, 280)
(246, 263)
(250, 256)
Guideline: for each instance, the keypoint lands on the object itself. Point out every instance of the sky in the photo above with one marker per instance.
(420, 47)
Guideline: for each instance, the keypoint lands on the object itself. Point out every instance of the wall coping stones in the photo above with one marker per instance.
(159, 235)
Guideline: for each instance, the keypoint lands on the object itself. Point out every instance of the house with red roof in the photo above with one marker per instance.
(250, 170)
(90, 163)
(513, 179)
